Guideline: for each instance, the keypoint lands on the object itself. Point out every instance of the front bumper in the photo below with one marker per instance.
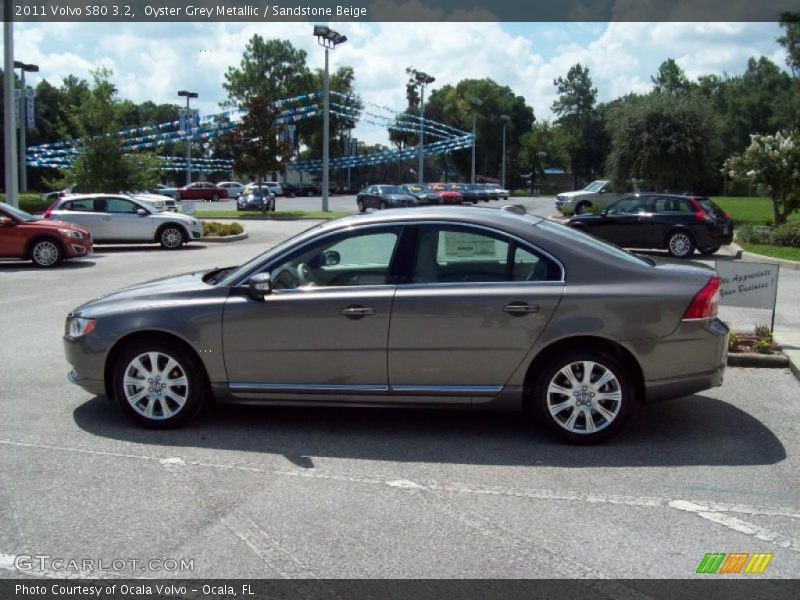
(563, 204)
(87, 364)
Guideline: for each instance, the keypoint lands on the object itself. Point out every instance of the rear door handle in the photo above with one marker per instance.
(520, 308)
(356, 311)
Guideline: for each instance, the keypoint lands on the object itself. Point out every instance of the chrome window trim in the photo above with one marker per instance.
(355, 226)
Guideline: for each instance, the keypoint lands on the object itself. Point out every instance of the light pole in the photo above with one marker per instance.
(476, 102)
(23, 174)
(9, 116)
(505, 119)
(421, 79)
(190, 127)
(328, 39)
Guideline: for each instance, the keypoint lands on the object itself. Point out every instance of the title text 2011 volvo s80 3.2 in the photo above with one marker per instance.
(477, 308)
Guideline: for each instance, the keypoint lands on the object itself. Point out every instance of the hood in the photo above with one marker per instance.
(50, 225)
(158, 292)
(171, 216)
(576, 194)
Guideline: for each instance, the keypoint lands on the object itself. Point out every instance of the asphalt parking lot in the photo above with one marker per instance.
(336, 493)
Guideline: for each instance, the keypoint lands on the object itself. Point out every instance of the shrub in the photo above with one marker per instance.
(753, 234)
(762, 347)
(787, 234)
(763, 332)
(32, 203)
(221, 229)
(734, 339)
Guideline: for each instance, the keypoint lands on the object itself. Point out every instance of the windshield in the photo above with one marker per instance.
(238, 272)
(576, 237)
(145, 205)
(595, 186)
(17, 213)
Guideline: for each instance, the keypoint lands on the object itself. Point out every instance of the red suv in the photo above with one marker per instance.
(46, 243)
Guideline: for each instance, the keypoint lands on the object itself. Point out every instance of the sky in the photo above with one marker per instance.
(151, 61)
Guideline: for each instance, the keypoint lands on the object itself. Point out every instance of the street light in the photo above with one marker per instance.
(9, 118)
(23, 172)
(505, 119)
(188, 95)
(421, 79)
(476, 103)
(328, 39)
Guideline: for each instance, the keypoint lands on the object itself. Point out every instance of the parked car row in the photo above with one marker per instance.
(413, 194)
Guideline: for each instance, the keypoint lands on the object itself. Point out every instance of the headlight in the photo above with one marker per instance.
(78, 327)
(71, 233)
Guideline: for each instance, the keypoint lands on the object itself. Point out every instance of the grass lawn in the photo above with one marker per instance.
(278, 215)
(785, 252)
(755, 210)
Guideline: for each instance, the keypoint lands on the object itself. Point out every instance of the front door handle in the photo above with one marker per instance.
(357, 311)
(519, 309)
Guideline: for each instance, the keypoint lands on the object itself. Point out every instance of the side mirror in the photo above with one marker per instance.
(331, 258)
(141, 212)
(604, 212)
(259, 286)
(7, 222)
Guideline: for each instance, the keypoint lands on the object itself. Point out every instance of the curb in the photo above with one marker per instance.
(759, 361)
(792, 265)
(215, 239)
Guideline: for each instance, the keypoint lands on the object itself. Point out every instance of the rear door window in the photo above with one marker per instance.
(85, 205)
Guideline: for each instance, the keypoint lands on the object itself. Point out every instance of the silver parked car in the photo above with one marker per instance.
(600, 193)
(443, 306)
(116, 218)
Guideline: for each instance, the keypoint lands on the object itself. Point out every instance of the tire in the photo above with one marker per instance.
(155, 404)
(361, 207)
(582, 208)
(309, 193)
(709, 251)
(680, 244)
(383, 204)
(215, 197)
(588, 425)
(171, 237)
(46, 253)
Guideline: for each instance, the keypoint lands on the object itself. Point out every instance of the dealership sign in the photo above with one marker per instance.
(748, 285)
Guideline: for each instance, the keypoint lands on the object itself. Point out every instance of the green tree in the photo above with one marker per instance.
(256, 142)
(576, 112)
(543, 147)
(790, 40)
(772, 160)
(269, 69)
(671, 78)
(666, 142)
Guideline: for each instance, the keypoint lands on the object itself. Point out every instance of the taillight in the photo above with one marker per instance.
(726, 215)
(705, 303)
(49, 210)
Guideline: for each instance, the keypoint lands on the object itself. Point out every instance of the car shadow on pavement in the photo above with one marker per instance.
(115, 249)
(695, 430)
(8, 266)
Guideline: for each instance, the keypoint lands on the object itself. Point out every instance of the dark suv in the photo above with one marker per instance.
(678, 224)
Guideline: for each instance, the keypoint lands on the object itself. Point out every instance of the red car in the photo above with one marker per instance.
(449, 196)
(202, 190)
(46, 243)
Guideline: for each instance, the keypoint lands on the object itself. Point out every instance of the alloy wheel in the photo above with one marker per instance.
(171, 238)
(45, 253)
(584, 397)
(155, 385)
(680, 244)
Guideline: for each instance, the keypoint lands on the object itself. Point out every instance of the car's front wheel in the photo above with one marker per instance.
(361, 207)
(680, 244)
(582, 208)
(159, 384)
(171, 237)
(383, 205)
(584, 396)
(46, 253)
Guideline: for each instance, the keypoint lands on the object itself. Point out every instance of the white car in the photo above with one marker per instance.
(600, 193)
(234, 188)
(275, 187)
(114, 218)
(159, 202)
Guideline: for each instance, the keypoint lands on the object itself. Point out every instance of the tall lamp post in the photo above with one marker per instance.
(23, 121)
(328, 39)
(422, 79)
(476, 103)
(9, 117)
(505, 119)
(188, 95)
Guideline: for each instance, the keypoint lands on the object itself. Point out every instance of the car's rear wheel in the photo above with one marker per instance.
(584, 396)
(680, 244)
(709, 251)
(361, 207)
(214, 197)
(46, 253)
(582, 208)
(171, 237)
(309, 193)
(383, 204)
(159, 384)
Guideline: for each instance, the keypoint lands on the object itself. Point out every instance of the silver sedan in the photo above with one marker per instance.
(477, 308)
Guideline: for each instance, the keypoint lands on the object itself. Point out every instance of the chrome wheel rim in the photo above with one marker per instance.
(584, 397)
(679, 244)
(581, 209)
(155, 385)
(45, 254)
(171, 238)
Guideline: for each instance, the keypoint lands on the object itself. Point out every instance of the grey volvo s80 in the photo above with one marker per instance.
(440, 306)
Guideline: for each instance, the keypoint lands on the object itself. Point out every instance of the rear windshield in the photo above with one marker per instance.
(579, 238)
(710, 207)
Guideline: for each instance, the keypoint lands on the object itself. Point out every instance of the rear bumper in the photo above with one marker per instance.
(690, 360)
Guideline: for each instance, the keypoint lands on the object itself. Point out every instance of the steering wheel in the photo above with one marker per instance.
(304, 276)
